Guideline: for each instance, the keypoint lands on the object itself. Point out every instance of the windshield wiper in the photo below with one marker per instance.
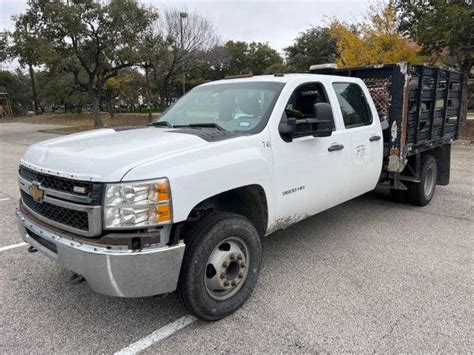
(202, 125)
(162, 123)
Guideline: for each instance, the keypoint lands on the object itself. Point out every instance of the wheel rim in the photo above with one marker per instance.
(429, 181)
(227, 268)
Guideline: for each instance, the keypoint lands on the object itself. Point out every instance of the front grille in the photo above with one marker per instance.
(94, 190)
(66, 216)
(54, 182)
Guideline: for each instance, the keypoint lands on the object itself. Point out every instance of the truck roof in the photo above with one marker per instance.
(281, 78)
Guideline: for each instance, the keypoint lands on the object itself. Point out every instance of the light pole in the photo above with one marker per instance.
(182, 15)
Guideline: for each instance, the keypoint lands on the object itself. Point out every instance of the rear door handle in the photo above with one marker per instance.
(374, 138)
(335, 147)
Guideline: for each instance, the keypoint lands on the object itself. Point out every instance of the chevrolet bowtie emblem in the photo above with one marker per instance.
(36, 193)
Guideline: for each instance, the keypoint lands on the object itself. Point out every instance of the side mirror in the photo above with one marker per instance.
(320, 126)
(325, 119)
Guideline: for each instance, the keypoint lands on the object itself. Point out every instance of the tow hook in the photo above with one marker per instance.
(32, 249)
(75, 279)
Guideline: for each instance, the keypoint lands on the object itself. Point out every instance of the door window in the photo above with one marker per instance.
(354, 107)
(301, 103)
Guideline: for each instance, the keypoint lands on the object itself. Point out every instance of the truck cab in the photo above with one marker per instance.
(182, 204)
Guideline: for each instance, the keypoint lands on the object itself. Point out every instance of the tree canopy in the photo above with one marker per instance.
(375, 41)
(121, 54)
(17, 89)
(314, 46)
(86, 36)
(254, 57)
(440, 26)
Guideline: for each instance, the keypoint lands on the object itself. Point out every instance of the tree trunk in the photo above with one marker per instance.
(96, 110)
(163, 97)
(110, 107)
(147, 84)
(33, 88)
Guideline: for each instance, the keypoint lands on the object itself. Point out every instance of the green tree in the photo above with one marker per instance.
(3, 46)
(151, 46)
(127, 87)
(254, 57)
(440, 25)
(444, 29)
(56, 88)
(28, 47)
(95, 38)
(237, 59)
(264, 59)
(17, 89)
(314, 46)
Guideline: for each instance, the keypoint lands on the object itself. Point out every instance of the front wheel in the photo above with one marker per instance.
(221, 265)
(422, 192)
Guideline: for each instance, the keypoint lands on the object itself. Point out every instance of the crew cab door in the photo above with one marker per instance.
(364, 137)
(309, 171)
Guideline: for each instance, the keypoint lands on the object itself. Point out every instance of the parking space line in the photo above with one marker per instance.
(8, 247)
(4, 199)
(157, 336)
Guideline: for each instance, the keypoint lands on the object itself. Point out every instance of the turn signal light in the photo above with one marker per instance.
(163, 213)
(162, 191)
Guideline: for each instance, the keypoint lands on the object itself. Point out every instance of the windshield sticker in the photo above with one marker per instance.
(244, 124)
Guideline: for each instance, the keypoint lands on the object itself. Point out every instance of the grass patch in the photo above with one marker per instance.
(78, 122)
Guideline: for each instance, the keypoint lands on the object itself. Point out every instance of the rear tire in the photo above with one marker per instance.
(422, 192)
(221, 265)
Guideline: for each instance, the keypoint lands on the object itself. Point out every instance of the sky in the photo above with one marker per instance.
(274, 22)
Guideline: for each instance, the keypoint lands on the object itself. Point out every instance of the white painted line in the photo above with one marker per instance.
(157, 336)
(4, 199)
(8, 247)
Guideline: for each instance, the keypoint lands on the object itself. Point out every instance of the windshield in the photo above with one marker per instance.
(244, 106)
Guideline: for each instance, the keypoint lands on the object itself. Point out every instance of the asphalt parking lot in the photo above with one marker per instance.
(369, 275)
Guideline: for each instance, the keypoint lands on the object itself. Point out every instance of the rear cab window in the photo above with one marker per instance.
(353, 104)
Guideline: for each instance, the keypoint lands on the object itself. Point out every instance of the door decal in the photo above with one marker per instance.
(361, 156)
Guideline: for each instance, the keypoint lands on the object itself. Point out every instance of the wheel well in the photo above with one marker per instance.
(248, 201)
(442, 155)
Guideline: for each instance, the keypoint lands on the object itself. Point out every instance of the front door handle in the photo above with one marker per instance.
(335, 147)
(374, 138)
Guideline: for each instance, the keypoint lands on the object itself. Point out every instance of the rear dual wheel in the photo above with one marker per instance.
(221, 265)
(419, 193)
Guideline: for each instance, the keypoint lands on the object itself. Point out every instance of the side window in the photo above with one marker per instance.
(302, 101)
(354, 107)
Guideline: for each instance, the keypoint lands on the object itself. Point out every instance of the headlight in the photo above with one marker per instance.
(137, 204)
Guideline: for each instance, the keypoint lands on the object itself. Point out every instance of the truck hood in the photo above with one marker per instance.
(106, 154)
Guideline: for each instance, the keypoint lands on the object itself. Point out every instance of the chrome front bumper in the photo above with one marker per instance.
(122, 273)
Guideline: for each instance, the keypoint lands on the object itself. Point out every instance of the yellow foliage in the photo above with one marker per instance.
(115, 83)
(112, 84)
(375, 42)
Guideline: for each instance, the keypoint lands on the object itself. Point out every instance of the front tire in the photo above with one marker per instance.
(422, 192)
(221, 265)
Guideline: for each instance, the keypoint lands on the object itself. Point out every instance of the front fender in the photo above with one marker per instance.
(212, 169)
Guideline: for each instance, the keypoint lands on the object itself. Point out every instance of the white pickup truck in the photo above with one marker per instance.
(183, 204)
